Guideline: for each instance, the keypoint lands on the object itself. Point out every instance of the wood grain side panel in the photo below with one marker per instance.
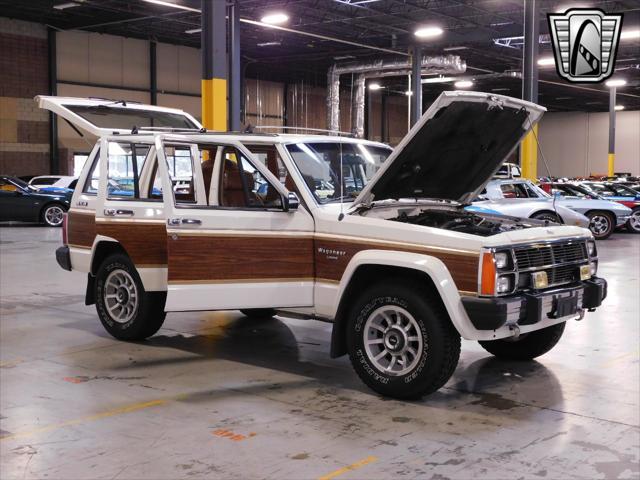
(146, 243)
(333, 256)
(228, 258)
(81, 229)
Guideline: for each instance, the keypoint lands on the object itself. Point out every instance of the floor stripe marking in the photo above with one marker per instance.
(90, 418)
(349, 468)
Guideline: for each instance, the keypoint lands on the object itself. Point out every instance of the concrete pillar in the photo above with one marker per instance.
(416, 84)
(235, 83)
(612, 132)
(214, 65)
(529, 147)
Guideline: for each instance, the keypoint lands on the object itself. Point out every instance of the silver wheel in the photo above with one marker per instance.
(599, 224)
(54, 215)
(634, 221)
(393, 340)
(121, 296)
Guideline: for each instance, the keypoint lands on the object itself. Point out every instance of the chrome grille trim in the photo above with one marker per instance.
(560, 260)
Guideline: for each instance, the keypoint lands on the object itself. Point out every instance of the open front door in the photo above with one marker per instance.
(231, 243)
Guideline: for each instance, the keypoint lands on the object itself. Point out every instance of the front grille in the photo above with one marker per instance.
(560, 261)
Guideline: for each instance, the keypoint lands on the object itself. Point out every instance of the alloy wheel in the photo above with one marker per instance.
(121, 296)
(54, 215)
(599, 225)
(393, 340)
(634, 220)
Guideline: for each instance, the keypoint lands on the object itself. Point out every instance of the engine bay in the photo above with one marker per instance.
(484, 225)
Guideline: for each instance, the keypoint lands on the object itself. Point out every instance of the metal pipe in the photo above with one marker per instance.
(416, 98)
(612, 132)
(357, 116)
(153, 72)
(54, 154)
(530, 50)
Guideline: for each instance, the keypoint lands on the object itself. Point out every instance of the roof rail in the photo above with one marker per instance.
(306, 129)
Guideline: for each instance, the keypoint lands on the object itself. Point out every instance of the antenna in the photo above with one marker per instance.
(544, 160)
(341, 216)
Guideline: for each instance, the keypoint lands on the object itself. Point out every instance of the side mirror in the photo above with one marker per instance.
(291, 202)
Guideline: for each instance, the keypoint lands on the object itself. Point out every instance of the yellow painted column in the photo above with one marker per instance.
(611, 164)
(214, 104)
(529, 155)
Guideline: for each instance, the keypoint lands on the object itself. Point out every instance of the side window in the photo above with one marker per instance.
(243, 186)
(91, 185)
(125, 162)
(44, 181)
(508, 190)
(180, 166)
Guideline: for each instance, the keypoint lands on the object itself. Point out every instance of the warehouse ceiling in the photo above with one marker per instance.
(485, 33)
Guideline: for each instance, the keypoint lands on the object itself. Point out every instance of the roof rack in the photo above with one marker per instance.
(307, 129)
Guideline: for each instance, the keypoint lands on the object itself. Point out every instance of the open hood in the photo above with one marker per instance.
(107, 117)
(454, 149)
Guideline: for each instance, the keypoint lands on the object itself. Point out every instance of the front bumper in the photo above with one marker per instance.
(63, 257)
(531, 308)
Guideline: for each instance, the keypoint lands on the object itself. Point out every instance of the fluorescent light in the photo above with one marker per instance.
(546, 61)
(453, 49)
(428, 32)
(619, 107)
(630, 34)
(63, 6)
(500, 89)
(267, 44)
(463, 84)
(618, 82)
(375, 86)
(174, 5)
(193, 30)
(275, 18)
(343, 57)
(437, 80)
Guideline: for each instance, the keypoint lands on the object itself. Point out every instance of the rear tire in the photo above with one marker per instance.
(126, 311)
(633, 224)
(258, 312)
(422, 346)
(528, 346)
(601, 224)
(53, 215)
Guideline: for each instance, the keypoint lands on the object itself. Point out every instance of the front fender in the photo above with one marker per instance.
(429, 265)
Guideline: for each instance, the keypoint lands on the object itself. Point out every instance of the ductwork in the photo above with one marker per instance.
(448, 64)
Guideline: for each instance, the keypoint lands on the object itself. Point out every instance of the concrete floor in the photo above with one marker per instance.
(216, 395)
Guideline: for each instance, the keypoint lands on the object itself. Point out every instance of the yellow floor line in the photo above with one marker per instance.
(348, 468)
(90, 418)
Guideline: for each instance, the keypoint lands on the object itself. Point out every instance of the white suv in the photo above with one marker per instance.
(332, 228)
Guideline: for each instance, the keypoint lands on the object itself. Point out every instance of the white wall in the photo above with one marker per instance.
(576, 143)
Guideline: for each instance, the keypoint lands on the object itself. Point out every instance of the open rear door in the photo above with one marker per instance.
(109, 117)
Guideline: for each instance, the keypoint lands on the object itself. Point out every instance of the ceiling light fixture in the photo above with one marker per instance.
(630, 34)
(408, 93)
(463, 84)
(174, 5)
(546, 61)
(275, 18)
(437, 80)
(428, 32)
(375, 86)
(268, 44)
(64, 6)
(193, 30)
(504, 89)
(619, 107)
(453, 49)
(616, 82)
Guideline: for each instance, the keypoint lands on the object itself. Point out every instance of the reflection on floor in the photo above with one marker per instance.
(219, 395)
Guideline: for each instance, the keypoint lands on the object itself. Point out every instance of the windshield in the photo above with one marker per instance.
(103, 116)
(319, 163)
(24, 185)
(573, 191)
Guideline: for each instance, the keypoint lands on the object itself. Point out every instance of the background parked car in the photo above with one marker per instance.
(603, 215)
(535, 208)
(54, 183)
(20, 201)
(631, 201)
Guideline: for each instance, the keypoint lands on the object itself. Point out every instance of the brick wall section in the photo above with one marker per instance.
(24, 128)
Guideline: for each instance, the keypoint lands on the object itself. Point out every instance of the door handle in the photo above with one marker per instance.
(124, 212)
(191, 221)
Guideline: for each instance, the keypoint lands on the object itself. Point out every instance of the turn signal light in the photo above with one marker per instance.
(539, 280)
(488, 278)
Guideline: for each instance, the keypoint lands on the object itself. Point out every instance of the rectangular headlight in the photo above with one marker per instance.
(591, 248)
(539, 280)
(501, 259)
(503, 285)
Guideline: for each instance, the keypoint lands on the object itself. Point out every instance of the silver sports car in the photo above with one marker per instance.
(538, 208)
(604, 216)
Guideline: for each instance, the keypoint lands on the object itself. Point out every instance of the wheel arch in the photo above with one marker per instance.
(372, 266)
(545, 210)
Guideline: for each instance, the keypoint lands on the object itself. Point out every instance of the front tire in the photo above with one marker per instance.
(126, 311)
(633, 224)
(401, 344)
(601, 224)
(548, 216)
(53, 215)
(528, 346)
